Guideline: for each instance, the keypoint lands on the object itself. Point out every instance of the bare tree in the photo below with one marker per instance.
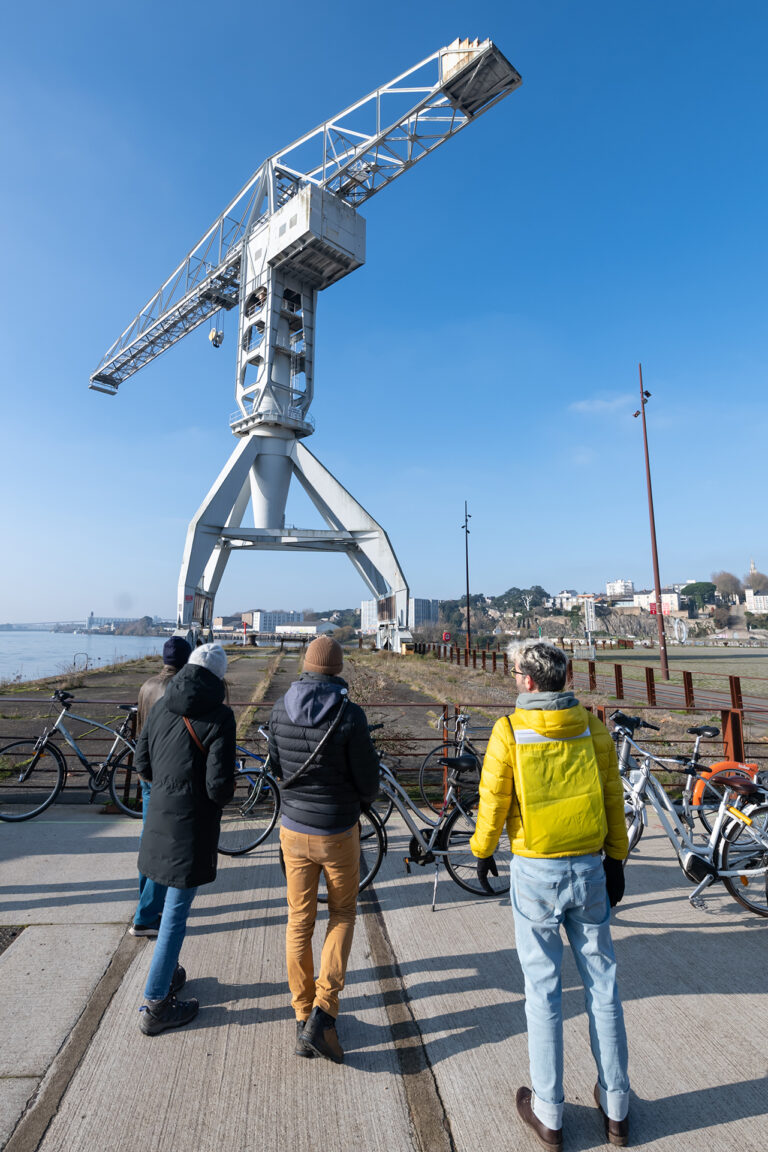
(727, 584)
(757, 581)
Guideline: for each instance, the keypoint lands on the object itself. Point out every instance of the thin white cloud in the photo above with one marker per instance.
(605, 403)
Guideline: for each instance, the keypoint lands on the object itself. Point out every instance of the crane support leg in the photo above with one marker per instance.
(260, 470)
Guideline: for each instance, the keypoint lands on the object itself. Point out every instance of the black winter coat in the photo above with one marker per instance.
(346, 771)
(181, 829)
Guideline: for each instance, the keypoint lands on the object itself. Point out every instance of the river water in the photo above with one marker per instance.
(29, 655)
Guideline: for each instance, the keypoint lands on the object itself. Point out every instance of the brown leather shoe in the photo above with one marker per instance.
(320, 1036)
(301, 1048)
(616, 1131)
(548, 1137)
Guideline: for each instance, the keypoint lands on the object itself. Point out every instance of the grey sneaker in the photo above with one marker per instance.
(157, 1015)
(301, 1049)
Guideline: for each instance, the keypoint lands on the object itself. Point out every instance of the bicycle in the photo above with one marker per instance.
(432, 774)
(736, 850)
(447, 838)
(252, 813)
(702, 799)
(34, 772)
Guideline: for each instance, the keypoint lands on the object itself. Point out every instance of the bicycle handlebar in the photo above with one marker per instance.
(631, 723)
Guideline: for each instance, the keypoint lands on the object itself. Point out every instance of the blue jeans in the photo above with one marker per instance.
(568, 891)
(151, 894)
(173, 927)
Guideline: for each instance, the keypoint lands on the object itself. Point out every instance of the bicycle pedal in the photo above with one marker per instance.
(407, 862)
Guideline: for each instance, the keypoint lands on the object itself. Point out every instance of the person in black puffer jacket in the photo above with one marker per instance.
(319, 832)
(192, 772)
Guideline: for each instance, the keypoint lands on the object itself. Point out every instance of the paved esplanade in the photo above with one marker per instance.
(432, 1020)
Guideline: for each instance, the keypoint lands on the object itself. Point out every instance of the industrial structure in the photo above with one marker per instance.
(293, 230)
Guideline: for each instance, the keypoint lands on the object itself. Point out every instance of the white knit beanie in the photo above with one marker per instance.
(210, 656)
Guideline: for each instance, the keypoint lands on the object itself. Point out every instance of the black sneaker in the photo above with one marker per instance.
(178, 980)
(301, 1048)
(144, 929)
(320, 1035)
(157, 1015)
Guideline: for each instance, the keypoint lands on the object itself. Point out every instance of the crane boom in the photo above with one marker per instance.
(353, 156)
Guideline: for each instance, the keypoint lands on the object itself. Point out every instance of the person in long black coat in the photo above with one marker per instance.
(193, 776)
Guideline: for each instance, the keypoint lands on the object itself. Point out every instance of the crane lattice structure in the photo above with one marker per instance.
(293, 230)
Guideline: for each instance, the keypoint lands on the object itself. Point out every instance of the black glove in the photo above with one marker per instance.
(483, 868)
(614, 879)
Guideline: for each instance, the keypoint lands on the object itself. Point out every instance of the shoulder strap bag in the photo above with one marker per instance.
(308, 763)
(201, 747)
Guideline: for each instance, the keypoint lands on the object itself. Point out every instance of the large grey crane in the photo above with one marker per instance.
(293, 230)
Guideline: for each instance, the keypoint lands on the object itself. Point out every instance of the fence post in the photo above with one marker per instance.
(735, 685)
(506, 664)
(466, 657)
(592, 673)
(474, 657)
(493, 661)
(483, 657)
(569, 674)
(650, 687)
(688, 689)
(602, 713)
(733, 734)
(618, 680)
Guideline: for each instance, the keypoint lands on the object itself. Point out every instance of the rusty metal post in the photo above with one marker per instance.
(650, 687)
(654, 550)
(733, 734)
(483, 655)
(474, 657)
(493, 661)
(506, 664)
(602, 713)
(735, 686)
(688, 689)
(618, 680)
(592, 674)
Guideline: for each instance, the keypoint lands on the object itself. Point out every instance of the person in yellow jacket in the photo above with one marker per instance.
(550, 775)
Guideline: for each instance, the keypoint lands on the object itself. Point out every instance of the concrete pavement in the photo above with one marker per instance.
(432, 1016)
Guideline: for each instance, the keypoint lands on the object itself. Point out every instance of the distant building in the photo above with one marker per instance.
(369, 619)
(422, 612)
(321, 628)
(619, 589)
(756, 601)
(564, 600)
(670, 601)
(261, 621)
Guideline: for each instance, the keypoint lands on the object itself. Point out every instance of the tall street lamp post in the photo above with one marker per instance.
(644, 398)
(465, 526)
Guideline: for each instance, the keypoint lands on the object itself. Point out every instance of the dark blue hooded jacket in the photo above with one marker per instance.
(346, 772)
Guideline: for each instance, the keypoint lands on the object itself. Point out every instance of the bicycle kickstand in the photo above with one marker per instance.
(695, 897)
(434, 887)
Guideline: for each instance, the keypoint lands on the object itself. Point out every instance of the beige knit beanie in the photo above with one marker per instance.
(324, 656)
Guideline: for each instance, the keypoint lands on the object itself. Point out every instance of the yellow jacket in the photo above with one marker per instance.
(553, 778)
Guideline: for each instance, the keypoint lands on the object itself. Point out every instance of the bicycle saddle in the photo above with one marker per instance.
(128, 707)
(704, 730)
(460, 763)
(737, 784)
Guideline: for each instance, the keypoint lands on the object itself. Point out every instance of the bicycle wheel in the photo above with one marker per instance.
(383, 807)
(708, 792)
(633, 819)
(746, 846)
(462, 865)
(251, 814)
(30, 778)
(432, 776)
(125, 786)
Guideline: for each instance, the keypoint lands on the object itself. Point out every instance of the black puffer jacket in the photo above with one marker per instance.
(181, 831)
(346, 771)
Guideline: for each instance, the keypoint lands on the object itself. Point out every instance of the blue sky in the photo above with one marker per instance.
(610, 211)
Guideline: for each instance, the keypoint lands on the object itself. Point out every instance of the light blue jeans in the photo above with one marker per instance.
(173, 927)
(570, 892)
(151, 894)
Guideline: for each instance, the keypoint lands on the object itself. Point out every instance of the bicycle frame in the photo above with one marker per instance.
(395, 792)
(61, 727)
(687, 850)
